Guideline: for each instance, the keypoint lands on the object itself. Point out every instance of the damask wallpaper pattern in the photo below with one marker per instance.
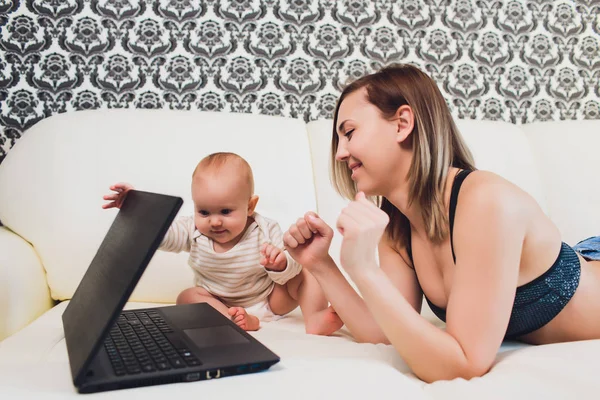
(518, 61)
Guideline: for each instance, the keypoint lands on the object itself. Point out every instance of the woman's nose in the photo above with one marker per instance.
(342, 153)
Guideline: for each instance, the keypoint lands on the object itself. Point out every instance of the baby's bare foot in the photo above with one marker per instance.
(323, 322)
(244, 320)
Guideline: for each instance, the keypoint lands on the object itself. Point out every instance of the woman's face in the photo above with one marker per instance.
(368, 143)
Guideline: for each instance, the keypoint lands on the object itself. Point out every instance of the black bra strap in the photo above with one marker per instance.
(458, 180)
(409, 247)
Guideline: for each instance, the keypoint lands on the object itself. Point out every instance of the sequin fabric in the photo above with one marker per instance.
(539, 301)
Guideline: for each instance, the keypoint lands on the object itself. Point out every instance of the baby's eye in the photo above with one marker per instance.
(204, 213)
(226, 211)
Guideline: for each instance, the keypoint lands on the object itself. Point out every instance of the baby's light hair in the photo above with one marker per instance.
(215, 161)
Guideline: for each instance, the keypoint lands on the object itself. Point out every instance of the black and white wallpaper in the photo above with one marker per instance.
(518, 61)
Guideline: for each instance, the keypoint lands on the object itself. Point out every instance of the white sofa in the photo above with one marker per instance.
(51, 185)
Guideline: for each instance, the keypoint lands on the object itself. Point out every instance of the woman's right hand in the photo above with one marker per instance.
(116, 199)
(308, 240)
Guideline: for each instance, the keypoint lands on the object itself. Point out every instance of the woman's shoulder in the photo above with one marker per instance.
(488, 190)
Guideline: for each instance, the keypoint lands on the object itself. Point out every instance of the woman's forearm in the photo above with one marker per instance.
(430, 352)
(350, 307)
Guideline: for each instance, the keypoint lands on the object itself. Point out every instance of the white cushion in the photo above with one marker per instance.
(568, 153)
(34, 362)
(503, 148)
(23, 287)
(549, 372)
(301, 379)
(68, 161)
(310, 366)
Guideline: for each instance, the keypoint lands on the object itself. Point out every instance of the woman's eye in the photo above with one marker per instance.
(226, 211)
(349, 134)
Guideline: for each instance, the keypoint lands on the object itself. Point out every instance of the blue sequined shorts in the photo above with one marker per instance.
(539, 301)
(589, 248)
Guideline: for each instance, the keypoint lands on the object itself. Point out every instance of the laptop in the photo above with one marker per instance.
(111, 349)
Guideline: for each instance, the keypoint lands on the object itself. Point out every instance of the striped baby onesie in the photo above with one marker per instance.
(236, 276)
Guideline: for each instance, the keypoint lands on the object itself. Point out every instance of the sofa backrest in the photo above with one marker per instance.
(52, 181)
(569, 154)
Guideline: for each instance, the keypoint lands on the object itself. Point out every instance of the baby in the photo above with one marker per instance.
(236, 254)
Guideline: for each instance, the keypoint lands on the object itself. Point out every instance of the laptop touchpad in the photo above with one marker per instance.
(215, 336)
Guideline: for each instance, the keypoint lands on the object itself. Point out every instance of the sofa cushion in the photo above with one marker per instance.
(52, 181)
(310, 366)
(503, 148)
(569, 154)
(23, 288)
(318, 366)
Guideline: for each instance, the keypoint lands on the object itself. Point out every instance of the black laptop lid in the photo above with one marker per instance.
(126, 250)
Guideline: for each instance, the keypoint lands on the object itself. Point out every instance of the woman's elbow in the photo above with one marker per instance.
(466, 371)
(474, 370)
(370, 338)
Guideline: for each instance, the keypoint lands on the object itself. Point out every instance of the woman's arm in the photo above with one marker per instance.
(352, 309)
(488, 238)
(308, 242)
(309, 245)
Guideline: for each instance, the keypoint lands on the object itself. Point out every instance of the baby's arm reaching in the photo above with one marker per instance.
(180, 232)
(179, 236)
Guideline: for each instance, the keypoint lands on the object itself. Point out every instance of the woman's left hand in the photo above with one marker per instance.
(362, 224)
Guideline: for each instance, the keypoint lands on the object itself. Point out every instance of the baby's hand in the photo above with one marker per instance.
(273, 258)
(116, 199)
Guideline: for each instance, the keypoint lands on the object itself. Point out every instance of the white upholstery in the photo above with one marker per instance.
(51, 185)
(569, 155)
(79, 155)
(23, 288)
(503, 148)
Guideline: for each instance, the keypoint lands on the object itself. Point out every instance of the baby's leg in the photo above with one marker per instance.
(319, 318)
(237, 314)
(280, 300)
(201, 295)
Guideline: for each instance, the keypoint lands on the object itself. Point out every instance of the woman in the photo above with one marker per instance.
(488, 260)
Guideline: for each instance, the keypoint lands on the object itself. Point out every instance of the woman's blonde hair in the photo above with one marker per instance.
(437, 145)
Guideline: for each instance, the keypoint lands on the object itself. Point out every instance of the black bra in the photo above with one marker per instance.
(537, 302)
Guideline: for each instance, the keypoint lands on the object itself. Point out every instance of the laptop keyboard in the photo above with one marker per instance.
(137, 344)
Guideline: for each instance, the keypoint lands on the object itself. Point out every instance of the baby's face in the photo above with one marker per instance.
(221, 206)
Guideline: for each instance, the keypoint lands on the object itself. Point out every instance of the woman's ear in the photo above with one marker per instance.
(405, 122)
(252, 204)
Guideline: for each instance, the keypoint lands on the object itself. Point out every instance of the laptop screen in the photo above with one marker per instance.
(126, 250)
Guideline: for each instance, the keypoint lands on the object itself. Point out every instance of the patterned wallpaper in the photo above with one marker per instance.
(518, 61)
